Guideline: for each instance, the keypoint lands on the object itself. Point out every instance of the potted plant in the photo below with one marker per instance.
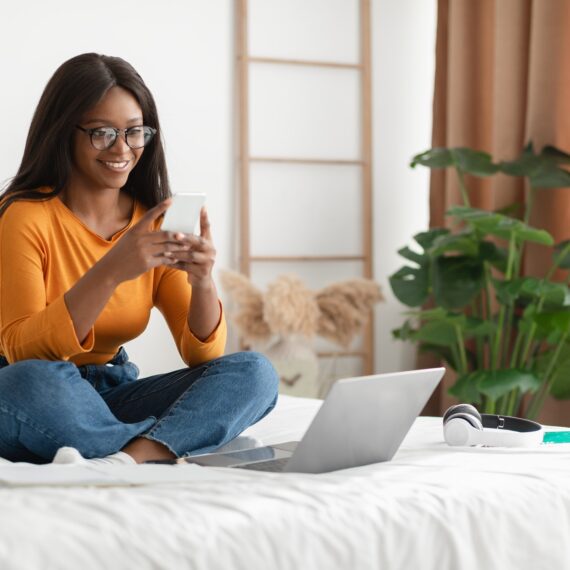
(505, 334)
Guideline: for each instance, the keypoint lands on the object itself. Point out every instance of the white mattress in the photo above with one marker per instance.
(432, 507)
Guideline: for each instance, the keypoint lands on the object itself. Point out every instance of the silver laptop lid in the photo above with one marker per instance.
(363, 420)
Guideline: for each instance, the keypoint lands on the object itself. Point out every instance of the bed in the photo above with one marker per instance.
(431, 507)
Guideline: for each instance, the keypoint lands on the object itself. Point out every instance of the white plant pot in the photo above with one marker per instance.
(297, 366)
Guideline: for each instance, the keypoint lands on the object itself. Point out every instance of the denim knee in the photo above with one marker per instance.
(47, 405)
(258, 376)
(35, 383)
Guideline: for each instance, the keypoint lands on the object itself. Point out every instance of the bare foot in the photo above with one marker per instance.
(142, 449)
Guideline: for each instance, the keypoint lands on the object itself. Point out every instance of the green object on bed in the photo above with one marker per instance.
(556, 437)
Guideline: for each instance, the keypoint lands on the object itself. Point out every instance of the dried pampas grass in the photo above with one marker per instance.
(248, 317)
(345, 308)
(336, 312)
(290, 308)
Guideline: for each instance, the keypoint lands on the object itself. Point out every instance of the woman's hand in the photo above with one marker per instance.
(199, 257)
(141, 248)
(198, 262)
(138, 250)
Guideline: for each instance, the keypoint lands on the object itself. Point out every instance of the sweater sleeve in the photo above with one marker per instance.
(29, 326)
(172, 298)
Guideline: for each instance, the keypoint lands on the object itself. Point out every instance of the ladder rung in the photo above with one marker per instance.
(306, 160)
(344, 353)
(311, 63)
(307, 258)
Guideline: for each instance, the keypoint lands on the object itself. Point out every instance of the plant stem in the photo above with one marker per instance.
(479, 340)
(518, 252)
(511, 258)
(462, 187)
(529, 205)
(538, 398)
(513, 397)
(516, 350)
(497, 343)
(495, 349)
(526, 349)
(483, 356)
(499, 405)
(461, 347)
(557, 261)
(488, 315)
(507, 341)
(533, 354)
(530, 336)
(518, 403)
(456, 359)
(518, 262)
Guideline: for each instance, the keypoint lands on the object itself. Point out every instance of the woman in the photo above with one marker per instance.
(82, 262)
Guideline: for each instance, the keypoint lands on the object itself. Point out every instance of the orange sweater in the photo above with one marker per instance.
(44, 250)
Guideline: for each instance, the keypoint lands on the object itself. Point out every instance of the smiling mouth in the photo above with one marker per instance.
(115, 165)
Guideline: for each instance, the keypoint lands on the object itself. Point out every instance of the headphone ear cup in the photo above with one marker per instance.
(462, 428)
(462, 409)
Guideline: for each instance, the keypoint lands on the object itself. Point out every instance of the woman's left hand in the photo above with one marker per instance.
(198, 261)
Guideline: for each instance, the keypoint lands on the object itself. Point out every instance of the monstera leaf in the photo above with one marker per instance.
(468, 160)
(494, 384)
(527, 289)
(499, 225)
(411, 285)
(543, 169)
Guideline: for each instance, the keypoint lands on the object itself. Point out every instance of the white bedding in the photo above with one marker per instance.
(432, 507)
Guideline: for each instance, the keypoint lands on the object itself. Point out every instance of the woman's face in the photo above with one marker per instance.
(105, 169)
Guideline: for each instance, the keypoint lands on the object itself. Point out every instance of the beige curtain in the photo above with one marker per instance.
(502, 79)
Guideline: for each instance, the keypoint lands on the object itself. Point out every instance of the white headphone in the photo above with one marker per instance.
(464, 425)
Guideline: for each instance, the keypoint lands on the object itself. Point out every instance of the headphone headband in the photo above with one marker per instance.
(511, 423)
(464, 425)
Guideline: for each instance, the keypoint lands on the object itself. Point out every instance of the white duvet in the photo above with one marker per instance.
(431, 507)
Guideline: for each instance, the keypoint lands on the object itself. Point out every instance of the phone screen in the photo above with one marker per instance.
(184, 213)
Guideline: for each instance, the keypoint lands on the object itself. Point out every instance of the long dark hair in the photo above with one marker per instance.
(76, 86)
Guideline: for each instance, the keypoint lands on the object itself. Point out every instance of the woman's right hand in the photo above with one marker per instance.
(142, 248)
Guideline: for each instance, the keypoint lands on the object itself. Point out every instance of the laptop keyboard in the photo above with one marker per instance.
(275, 465)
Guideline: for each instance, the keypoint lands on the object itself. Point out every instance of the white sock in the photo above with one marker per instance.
(72, 455)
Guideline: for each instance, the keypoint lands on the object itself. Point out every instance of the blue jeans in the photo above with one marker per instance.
(98, 409)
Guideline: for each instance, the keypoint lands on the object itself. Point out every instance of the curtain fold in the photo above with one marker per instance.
(503, 79)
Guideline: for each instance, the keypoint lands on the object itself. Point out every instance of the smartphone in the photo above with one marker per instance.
(184, 213)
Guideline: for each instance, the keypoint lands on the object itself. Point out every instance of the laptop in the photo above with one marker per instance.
(362, 421)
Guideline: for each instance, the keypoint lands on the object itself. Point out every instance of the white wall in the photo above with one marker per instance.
(404, 67)
(185, 54)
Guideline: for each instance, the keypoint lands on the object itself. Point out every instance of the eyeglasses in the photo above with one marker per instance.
(103, 138)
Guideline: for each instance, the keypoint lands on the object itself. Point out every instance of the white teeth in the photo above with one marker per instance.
(116, 165)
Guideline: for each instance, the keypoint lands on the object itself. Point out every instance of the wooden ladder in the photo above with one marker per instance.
(246, 259)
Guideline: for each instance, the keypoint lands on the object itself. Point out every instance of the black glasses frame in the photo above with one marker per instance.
(125, 133)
